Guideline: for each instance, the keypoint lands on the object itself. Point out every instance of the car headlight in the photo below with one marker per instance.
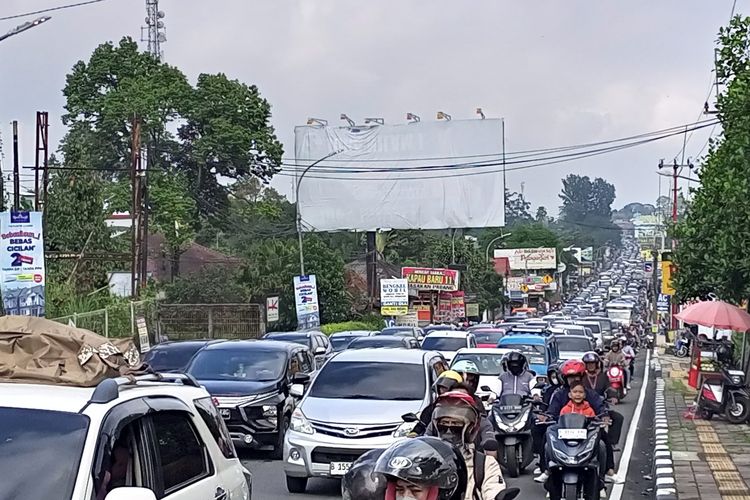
(404, 429)
(269, 410)
(299, 423)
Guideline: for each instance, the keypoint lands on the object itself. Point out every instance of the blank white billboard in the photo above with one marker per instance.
(395, 176)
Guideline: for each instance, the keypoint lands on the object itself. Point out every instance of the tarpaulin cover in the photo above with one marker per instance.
(357, 189)
(38, 350)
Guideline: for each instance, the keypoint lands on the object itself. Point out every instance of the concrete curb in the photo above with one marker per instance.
(663, 466)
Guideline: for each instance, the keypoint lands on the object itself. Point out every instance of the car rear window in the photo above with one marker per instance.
(443, 343)
(172, 358)
(488, 337)
(40, 452)
(376, 380)
(573, 344)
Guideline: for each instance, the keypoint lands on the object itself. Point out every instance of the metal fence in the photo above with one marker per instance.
(173, 321)
(214, 321)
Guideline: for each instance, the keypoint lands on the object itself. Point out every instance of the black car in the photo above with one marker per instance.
(250, 381)
(341, 340)
(403, 331)
(317, 342)
(388, 341)
(174, 356)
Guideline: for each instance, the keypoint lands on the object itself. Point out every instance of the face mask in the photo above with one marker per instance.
(405, 497)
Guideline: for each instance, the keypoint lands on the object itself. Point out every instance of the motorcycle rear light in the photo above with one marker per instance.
(709, 394)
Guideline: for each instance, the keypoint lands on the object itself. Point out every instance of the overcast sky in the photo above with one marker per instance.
(560, 72)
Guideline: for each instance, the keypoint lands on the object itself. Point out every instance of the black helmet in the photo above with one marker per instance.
(424, 461)
(553, 375)
(724, 353)
(361, 482)
(515, 362)
(591, 357)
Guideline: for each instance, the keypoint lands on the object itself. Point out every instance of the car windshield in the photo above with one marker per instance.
(170, 358)
(567, 343)
(488, 364)
(534, 353)
(225, 364)
(341, 343)
(42, 449)
(438, 343)
(488, 336)
(297, 339)
(370, 380)
(397, 332)
(379, 341)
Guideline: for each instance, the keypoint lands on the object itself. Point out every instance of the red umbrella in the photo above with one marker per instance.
(716, 314)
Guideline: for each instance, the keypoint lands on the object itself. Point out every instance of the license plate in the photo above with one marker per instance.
(339, 468)
(225, 413)
(572, 434)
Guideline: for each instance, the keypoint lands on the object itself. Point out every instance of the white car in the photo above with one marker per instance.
(155, 438)
(447, 342)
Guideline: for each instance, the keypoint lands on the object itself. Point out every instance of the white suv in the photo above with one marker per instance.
(153, 437)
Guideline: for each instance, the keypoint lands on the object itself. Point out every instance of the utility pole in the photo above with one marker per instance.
(655, 285)
(154, 32)
(505, 186)
(42, 159)
(16, 170)
(135, 244)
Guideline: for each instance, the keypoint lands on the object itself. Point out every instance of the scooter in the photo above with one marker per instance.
(616, 376)
(511, 418)
(725, 395)
(575, 454)
(681, 347)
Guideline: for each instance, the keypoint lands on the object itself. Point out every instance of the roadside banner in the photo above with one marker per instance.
(425, 278)
(662, 303)
(306, 302)
(394, 297)
(472, 310)
(409, 319)
(667, 269)
(576, 251)
(587, 254)
(272, 309)
(22, 269)
(528, 258)
(458, 305)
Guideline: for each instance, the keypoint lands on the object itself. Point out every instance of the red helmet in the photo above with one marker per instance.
(572, 367)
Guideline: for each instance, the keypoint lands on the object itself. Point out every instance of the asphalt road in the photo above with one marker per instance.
(269, 482)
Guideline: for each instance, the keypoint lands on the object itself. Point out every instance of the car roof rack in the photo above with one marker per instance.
(109, 389)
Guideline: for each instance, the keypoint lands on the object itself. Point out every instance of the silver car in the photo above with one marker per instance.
(355, 405)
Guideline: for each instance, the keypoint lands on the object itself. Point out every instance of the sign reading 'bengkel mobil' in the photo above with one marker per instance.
(425, 278)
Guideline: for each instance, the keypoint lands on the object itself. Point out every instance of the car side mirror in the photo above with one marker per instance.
(130, 493)
(297, 390)
(409, 417)
(300, 378)
(319, 351)
(486, 388)
(420, 338)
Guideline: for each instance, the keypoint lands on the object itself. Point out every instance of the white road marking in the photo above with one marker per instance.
(622, 473)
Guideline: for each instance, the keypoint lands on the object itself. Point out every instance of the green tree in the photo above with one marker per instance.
(516, 208)
(713, 239)
(586, 211)
(213, 285)
(273, 263)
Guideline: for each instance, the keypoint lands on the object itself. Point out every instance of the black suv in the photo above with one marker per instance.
(250, 382)
(174, 356)
(317, 342)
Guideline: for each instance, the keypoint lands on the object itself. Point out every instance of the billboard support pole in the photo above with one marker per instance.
(299, 215)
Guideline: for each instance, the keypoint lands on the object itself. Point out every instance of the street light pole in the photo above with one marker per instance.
(299, 216)
(25, 26)
(487, 251)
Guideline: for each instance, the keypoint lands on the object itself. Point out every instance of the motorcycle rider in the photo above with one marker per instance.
(456, 419)
(572, 372)
(598, 381)
(538, 430)
(629, 352)
(424, 468)
(516, 377)
(615, 357)
(447, 381)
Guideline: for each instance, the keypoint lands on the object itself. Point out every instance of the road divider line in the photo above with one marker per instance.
(622, 472)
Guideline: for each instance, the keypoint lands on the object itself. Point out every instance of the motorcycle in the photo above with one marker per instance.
(511, 418)
(725, 395)
(649, 340)
(616, 376)
(681, 347)
(575, 454)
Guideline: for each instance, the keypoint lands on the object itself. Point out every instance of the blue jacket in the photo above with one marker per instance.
(560, 398)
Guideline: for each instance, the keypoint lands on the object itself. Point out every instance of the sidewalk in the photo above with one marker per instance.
(711, 458)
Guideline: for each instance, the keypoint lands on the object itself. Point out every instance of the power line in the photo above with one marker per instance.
(562, 159)
(51, 9)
